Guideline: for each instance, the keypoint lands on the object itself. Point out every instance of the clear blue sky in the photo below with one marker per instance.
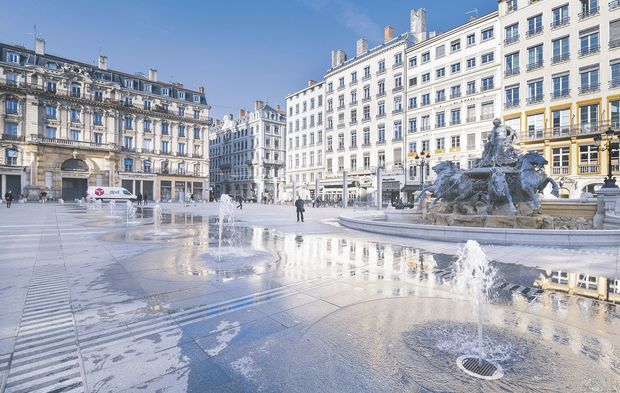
(239, 50)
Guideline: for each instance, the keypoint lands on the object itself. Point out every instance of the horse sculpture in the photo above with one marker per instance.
(450, 186)
(498, 191)
(533, 179)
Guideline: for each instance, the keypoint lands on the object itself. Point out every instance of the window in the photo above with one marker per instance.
(10, 128)
(165, 147)
(128, 123)
(74, 135)
(353, 80)
(128, 143)
(12, 57)
(398, 81)
(440, 120)
(471, 62)
(487, 58)
(366, 136)
(381, 159)
(398, 131)
(512, 96)
(426, 77)
(398, 105)
(441, 72)
(10, 156)
(615, 73)
(471, 39)
(486, 34)
(614, 32)
(50, 132)
(440, 95)
(75, 115)
(455, 91)
(426, 123)
(381, 109)
(440, 51)
(353, 138)
(147, 105)
(560, 86)
(440, 143)
(381, 66)
(589, 8)
(426, 146)
(381, 88)
(487, 110)
(413, 102)
(560, 16)
(589, 117)
(560, 50)
(455, 141)
(147, 144)
(535, 91)
(366, 72)
(471, 141)
(147, 126)
(512, 34)
(181, 111)
(50, 86)
(588, 159)
(589, 42)
(512, 64)
(381, 133)
(413, 61)
(398, 59)
(366, 110)
(535, 57)
(454, 68)
(413, 81)
(455, 46)
(455, 116)
(471, 87)
(127, 101)
(340, 102)
(98, 137)
(10, 106)
(560, 122)
(471, 113)
(535, 125)
(488, 83)
(534, 25)
(426, 99)
(413, 125)
(340, 84)
(589, 79)
(560, 160)
(181, 131)
(614, 114)
(181, 148)
(426, 57)
(165, 128)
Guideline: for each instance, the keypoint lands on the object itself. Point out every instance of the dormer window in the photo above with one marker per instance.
(12, 57)
(128, 83)
(182, 95)
(196, 98)
(165, 91)
(148, 88)
(52, 66)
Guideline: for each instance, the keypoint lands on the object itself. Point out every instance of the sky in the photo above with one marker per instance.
(241, 51)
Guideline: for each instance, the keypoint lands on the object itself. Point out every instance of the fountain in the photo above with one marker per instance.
(475, 277)
(130, 213)
(157, 216)
(112, 206)
(226, 214)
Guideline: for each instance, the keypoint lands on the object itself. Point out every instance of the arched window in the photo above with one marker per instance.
(74, 164)
(10, 156)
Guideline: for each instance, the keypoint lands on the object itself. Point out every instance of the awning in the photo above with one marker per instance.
(390, 185)
(410, 188)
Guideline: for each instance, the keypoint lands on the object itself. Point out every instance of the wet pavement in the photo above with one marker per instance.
(95, 302)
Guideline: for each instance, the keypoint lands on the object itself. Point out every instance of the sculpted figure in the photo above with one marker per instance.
(498, 190)
(499, 148)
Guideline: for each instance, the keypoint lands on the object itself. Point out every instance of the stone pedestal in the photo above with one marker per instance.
(607, 207)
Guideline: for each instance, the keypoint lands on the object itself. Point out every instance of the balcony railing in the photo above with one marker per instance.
(455, 95)
(614, 83)
(591, 88)
(584, 129)
(535, 31)
(10, 137)
(561, 22)
(588, 169)
(511, 40)
(614, 44)
(471, 119)
(487, 116)
(425, 128)
(535, 65)
(560, 170)
(72, 143)
(588, 13)
(511, 71)
(535, 99)
(511, 104)
(560, 58)
(441, 98)
(560, 94)
(590, 50)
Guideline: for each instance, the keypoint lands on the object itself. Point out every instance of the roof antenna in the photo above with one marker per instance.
(34, 32)
(474, 14)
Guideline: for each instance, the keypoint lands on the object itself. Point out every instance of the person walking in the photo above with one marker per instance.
(299, 204)
(139, 199)
(240, 200)
(9, 198)
(145, 198)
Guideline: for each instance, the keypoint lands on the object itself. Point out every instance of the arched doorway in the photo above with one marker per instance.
(74, 179)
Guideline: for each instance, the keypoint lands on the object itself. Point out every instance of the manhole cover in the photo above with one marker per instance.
(479, 368)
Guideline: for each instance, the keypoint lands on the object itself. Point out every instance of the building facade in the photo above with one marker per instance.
(248, 154)
(67, 125)
(305, 141)
(561, 64)
(453, 94)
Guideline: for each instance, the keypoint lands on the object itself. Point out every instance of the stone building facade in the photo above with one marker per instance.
(248, 154)
(67, 125)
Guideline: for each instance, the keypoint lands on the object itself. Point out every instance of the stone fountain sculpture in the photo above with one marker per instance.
(504, 183)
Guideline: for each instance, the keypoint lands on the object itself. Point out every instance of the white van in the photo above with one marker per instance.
(109, 193)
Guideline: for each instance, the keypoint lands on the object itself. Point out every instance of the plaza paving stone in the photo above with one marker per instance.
(93, 304)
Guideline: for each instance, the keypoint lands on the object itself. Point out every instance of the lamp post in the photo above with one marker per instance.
(607, 136)
(422, 161)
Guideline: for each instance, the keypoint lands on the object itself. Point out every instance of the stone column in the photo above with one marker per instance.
(345, 190)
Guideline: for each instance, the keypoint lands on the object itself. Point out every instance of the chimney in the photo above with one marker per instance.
(103, 62)
(278, 107)
(311, 82)
(362, 46)
(258, 105)
(241, 113)
(39, 46)
(334, 58)
(388, 33)
(418, 24)
(201, 89)
(152, 74)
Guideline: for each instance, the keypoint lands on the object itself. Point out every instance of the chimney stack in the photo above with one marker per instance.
(241, 113)
(311, 82)
(103, 62)
(362, 46)
(39, 46)
(201, 89)
(418, 24)
(338, 57)
(258, 105)
(388, 33)
(152, 74)
(278, 107)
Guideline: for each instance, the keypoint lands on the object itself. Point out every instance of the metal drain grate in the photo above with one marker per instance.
(483, 369)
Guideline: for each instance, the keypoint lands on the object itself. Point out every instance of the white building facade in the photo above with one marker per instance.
(305, 141)
(453, 94)
(248, 155)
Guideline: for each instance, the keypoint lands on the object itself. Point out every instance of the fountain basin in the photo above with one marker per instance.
(379, 223)
(235, 259)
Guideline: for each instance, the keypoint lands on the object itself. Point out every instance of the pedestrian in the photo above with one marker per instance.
(43, 196)
(145, 198)
(299, 204)
(240, 200)
(139, 199)
(9, 198)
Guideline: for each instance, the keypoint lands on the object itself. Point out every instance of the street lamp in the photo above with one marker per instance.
(422, 161)
(607, 136)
